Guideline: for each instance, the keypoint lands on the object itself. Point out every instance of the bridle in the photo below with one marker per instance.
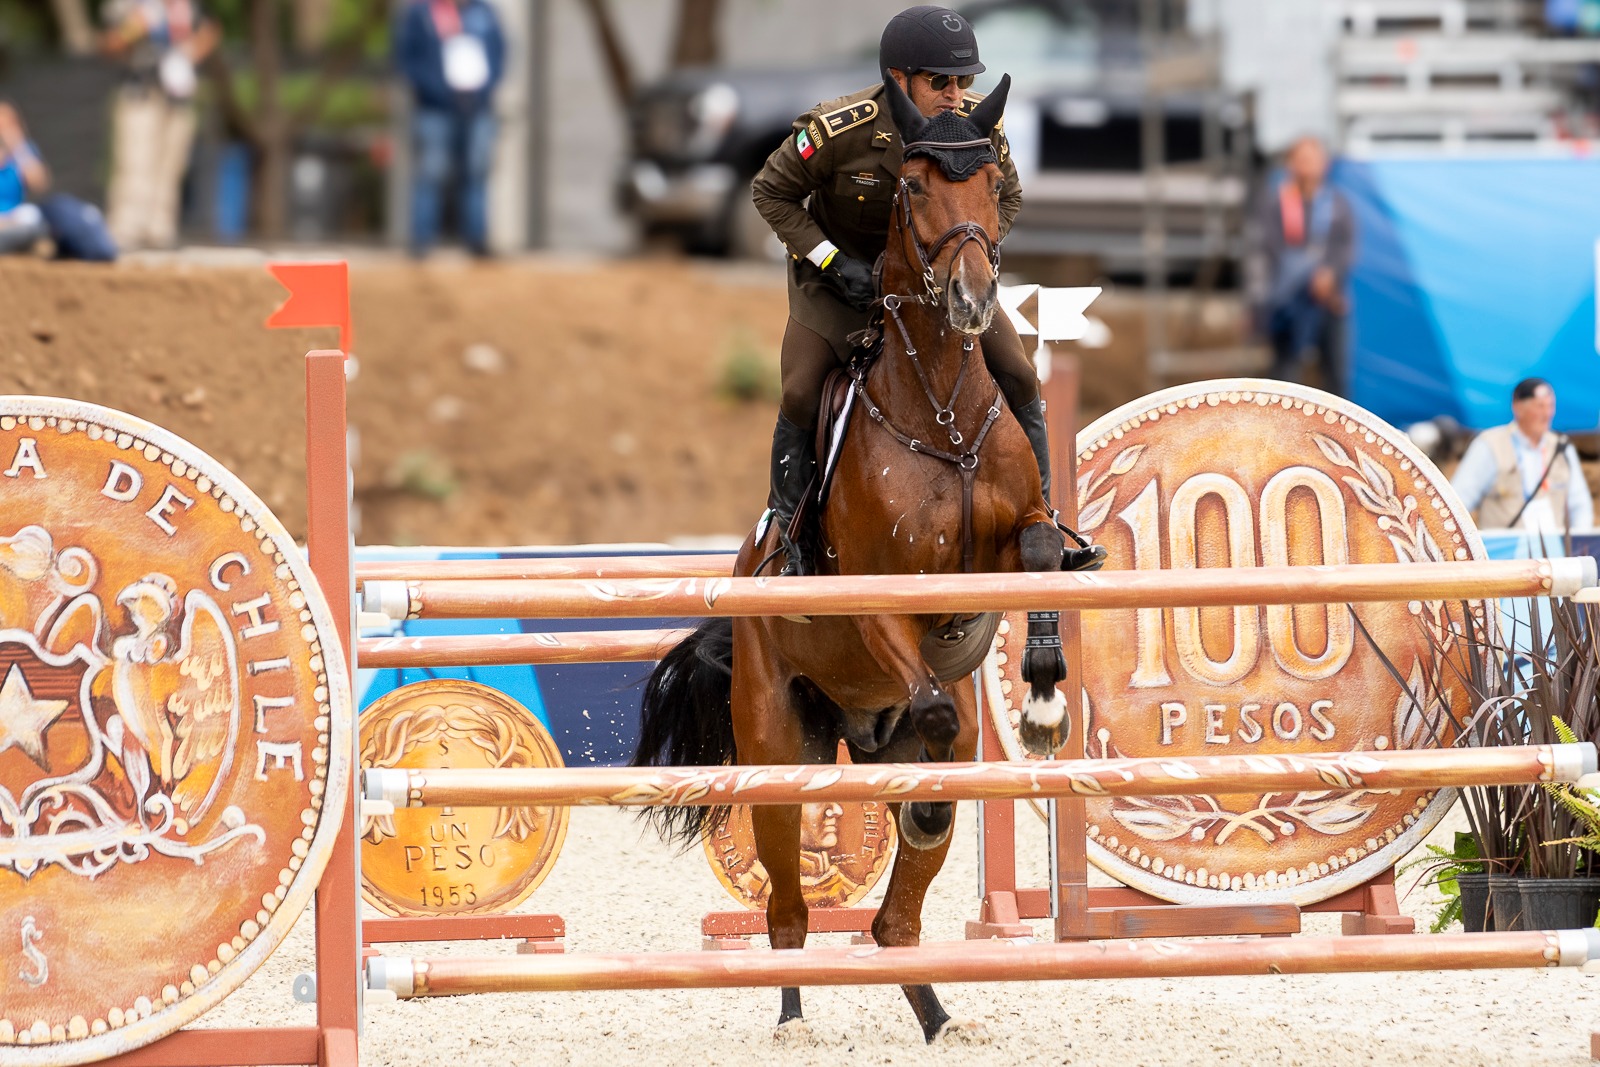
(965, 461)
(961, 233)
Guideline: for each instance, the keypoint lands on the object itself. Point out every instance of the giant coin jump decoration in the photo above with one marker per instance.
(1245, 473)
(174, 713)
(451, 861)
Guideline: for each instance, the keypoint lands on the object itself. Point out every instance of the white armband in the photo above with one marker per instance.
(819, 255)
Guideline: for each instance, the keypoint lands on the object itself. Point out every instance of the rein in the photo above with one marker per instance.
(966, 462)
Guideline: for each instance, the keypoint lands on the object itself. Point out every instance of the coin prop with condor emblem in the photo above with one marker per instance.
(1248, 473)
(844, 850)
(446, 861)
(174, 711)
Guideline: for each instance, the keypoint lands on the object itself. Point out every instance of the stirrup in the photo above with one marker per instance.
(1086, 556)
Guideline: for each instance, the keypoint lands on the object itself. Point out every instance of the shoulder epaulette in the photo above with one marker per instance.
(849, 116)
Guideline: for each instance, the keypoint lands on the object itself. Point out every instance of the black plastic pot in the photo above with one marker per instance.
(1505, 900)
(1559, 903)
(1476, 916)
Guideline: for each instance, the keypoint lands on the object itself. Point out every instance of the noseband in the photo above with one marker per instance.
(961, 234)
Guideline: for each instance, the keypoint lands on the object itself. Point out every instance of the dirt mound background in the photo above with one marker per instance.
(538, 401)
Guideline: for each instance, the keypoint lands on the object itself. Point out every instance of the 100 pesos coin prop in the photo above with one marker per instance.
(174, 711)
(424, 861)
(844, 850)
(1245, 473)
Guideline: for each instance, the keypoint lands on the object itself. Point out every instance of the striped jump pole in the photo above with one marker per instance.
(977, 961)
(498, 650)
(914, 594)
(1022, 779)
(705, 565)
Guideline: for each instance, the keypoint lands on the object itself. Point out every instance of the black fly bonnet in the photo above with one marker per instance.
(959, 144)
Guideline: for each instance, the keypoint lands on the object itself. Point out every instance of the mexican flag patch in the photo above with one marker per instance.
(803, 143)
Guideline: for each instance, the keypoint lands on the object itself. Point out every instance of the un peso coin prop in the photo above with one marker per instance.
(844, 850)
(449, 861)
(1244, 473)
(174, 714)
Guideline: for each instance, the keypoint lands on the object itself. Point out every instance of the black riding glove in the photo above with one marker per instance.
(852, 280)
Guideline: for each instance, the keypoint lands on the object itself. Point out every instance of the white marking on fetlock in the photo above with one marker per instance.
(1045, 714)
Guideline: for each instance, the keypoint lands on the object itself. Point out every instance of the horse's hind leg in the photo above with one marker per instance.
(1044, 709)
(768, 728)
(899, 921)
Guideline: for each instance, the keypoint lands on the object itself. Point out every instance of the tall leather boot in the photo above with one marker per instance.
(1078, 556)
(1031, 415)
(794, 462)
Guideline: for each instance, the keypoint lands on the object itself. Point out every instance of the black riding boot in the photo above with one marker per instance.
(1081, 556)
(794, 462)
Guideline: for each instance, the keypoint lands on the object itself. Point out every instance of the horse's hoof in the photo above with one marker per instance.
(1091, 558)
(923, 839)
(961, 1032)
(1044, 723)
(796, 1032)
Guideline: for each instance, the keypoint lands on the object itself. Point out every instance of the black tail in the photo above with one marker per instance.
(686, 720)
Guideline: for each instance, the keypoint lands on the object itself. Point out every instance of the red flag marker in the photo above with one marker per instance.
(319, 295)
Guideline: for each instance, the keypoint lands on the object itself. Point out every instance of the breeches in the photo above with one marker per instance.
(808, 357)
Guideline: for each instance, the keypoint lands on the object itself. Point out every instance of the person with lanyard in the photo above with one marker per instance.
(827, 192)
(161, 43)
(1305, 241)
(452, 53)
(22, 175)
(1522, 474)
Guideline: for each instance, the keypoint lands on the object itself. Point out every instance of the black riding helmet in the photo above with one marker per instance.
(932, 39)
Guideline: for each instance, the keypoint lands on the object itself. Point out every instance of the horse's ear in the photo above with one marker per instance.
(907, 119)
(992, 108)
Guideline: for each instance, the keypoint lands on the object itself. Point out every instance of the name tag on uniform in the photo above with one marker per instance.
(866, 181)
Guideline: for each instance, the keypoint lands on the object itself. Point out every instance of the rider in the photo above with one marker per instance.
(845, 156)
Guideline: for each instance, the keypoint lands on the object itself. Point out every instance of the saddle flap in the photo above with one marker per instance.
(838, 401)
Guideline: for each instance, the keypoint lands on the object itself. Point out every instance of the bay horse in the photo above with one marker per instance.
(923, 485)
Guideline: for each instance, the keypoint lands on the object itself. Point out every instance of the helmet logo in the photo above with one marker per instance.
(953, 23)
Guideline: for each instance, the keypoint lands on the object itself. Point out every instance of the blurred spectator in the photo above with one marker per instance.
(1304, 238)
(452, 54)
(160, 43)
(22, 175)
(1521, 474)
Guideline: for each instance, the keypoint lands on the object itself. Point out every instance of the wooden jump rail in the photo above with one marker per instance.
(976, 961)
(496, 650)
(708, 565)
(1024, 779)
(912, 594)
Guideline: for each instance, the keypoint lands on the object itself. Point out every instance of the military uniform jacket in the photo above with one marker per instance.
(845, 155)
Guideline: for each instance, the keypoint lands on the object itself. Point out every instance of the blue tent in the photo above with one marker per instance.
(1471, 274)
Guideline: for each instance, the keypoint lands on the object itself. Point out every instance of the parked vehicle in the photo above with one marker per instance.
(1074, 123)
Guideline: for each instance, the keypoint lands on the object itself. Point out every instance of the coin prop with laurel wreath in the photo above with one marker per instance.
(446, 861)
(174, 711)
(1244, 473)
(844, 850)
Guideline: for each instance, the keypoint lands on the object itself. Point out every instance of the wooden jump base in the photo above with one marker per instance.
(497, 650)
(913, 594)
(977, 961)
(1020, 780)
(707, 565)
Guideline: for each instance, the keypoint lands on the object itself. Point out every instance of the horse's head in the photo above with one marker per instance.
(947, 223)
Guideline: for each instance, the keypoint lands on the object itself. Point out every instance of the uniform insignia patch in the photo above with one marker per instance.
(850, 116)
(803, 143)
(815, 132)
(883, 135)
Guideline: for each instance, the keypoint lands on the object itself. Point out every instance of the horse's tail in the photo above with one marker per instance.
(686, 720)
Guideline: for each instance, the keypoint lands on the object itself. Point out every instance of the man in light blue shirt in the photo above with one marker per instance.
(1512, 475)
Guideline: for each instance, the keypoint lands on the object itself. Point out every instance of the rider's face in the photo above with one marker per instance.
(922, 94)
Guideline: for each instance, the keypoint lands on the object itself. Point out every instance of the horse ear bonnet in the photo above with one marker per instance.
(958, 143)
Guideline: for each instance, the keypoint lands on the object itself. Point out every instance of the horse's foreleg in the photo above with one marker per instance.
(1044, 668)
(767, 729)
(899, 921)
(894, 642)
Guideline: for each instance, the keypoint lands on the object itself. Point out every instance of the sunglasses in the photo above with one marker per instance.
(940, 82)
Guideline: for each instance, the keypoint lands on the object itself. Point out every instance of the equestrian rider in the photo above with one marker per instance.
(845, 156)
